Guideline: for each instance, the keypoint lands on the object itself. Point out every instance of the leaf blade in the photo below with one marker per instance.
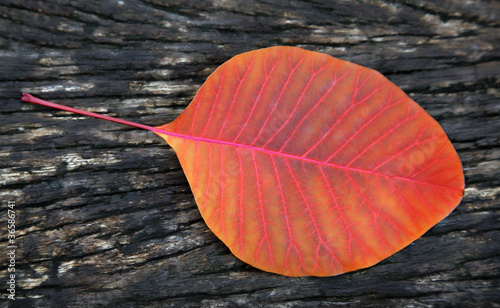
(292, 166)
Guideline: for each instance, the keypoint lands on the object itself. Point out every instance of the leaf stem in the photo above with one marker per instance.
(31, 99)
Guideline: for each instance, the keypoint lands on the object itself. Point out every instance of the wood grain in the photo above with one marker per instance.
(105, 215)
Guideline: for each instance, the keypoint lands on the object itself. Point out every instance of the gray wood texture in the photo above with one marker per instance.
(104, 214)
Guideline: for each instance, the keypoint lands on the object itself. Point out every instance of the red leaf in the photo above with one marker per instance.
(303, 164)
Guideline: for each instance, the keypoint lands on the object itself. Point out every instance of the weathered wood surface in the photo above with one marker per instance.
(105, 215)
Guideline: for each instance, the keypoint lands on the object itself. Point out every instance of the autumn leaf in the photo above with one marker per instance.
(307, 165)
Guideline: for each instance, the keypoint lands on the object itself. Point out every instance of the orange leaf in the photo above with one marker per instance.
(303, 164)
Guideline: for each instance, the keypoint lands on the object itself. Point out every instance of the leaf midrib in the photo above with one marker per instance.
(272, 152)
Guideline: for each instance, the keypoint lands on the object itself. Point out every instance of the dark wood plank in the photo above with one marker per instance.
(104, 214)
